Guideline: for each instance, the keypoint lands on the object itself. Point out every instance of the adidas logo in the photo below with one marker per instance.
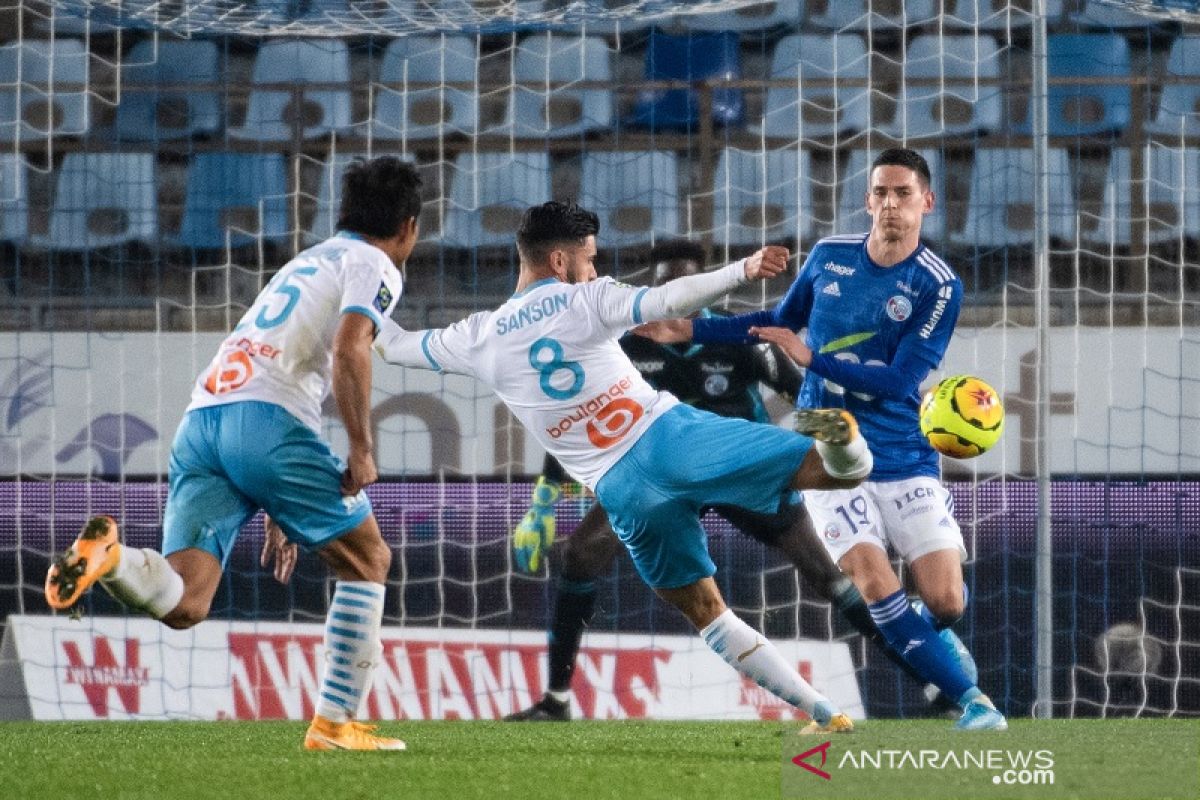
(913, 644)
(832, 290)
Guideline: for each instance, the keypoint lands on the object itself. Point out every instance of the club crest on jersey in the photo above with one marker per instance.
(899, 307)
(715, 385)
(383, 298)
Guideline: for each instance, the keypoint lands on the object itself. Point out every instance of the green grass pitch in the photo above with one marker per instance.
(626, 760)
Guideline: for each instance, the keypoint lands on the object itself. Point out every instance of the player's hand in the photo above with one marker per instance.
(767, 263)
(277, 548)
(666, 331)
(360, 471)
(787, 341)
(535, 533)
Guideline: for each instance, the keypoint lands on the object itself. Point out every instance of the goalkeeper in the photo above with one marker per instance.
(723, 379)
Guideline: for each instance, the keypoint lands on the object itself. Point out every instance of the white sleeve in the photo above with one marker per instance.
(365, 289)
(622, 306)
(438, 349)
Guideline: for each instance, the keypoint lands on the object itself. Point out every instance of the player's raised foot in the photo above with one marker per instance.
(829, 425)
(838, 723)
(324, 734)
(981, 715)
(545, 710)
(94, 554)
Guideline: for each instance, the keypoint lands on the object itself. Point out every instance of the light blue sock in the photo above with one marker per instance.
(352, 647)
(918, 643)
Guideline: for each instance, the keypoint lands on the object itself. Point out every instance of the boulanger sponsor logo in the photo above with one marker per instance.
(999, 766)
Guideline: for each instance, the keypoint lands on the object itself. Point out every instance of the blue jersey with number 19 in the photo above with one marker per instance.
(875, 333)
(551, 355)
(281, 351)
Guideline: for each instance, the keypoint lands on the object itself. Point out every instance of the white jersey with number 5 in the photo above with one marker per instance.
(551, 354)
(282, 349)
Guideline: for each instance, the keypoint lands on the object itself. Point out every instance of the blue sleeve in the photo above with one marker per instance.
(792, 312)
(921, 349)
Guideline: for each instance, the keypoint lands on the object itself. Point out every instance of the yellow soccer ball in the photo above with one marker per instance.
(962, 417)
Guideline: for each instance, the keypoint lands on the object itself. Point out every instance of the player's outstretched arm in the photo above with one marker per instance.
(401, 347)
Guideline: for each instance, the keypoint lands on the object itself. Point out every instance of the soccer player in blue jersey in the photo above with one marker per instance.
(879, 309)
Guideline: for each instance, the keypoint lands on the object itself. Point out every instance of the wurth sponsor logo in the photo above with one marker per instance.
(106, 674)
(944, 295)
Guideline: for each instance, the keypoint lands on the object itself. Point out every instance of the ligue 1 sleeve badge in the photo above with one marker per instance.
(899, 307)
(383, 299)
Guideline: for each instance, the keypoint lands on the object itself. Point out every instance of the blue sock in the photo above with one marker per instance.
(939, 624)
(918, 643)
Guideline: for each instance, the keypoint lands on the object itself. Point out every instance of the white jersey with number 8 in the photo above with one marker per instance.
(551, 355)
(282, 349)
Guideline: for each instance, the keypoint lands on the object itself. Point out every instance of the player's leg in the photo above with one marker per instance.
(586, 555)
(750, 653)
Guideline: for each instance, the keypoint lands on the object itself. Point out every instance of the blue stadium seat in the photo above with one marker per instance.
(635, 194)
(243, 193)
(1000, 210)
(762, 196)
(103, 199)
(14, 198)
(542, 111)
(852, 216)
(690, 57)
(1179, 106)
(1172, 204)
(993, 15)
(1092, 14)
(31, 107)
(938, 109)
(813, 110)
(750, 18)
(1080, 109)
(147, 113)
(434, 111)
(488, 195)
(273, 113)
(843, 16)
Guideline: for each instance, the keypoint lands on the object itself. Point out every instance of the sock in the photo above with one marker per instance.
(573, 606)
(853, 460)
(352, 647)
(744, 649)
(144, 580)
(852, 606)
(915, 640)
(939, 624)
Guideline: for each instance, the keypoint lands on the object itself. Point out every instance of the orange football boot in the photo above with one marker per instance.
(835, 426)
(93, 555)
(838, 723)
(324, 734)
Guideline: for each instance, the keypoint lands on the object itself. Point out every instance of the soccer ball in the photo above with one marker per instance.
(962, 417)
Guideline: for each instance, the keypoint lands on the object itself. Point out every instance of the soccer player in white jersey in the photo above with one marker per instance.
(551, 354)
(250, 440)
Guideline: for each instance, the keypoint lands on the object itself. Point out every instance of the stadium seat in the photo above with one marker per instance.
(762, 196)
(31, 107)
(434, 111)
(818, 110)
(1179, 106)
(747, 19)
(14, 200)
(1081, 109)
(537, 109)
(938, 109)
(862, 15)
(690, 57)
(635, 194)
(1173, 205)
(243, 193)
(488, 195)
(147, 113)
(994, 15)
(852, 216)
(103, 199)
(1000, 210)
(274, 115)
(1093, 14)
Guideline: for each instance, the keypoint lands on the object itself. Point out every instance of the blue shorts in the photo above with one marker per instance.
(229, 461)
(686, 461)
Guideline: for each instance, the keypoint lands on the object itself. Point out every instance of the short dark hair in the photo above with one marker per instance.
(553, 223)
(378, 196)
(677, 250)
(903, 157)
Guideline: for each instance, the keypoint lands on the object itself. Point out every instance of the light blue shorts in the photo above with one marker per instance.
(686, 461)
(229, 461)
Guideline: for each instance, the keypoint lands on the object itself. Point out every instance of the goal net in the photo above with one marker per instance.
(159, 160)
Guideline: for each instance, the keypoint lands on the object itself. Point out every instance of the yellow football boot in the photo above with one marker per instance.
(324, 734)
(93, 555)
